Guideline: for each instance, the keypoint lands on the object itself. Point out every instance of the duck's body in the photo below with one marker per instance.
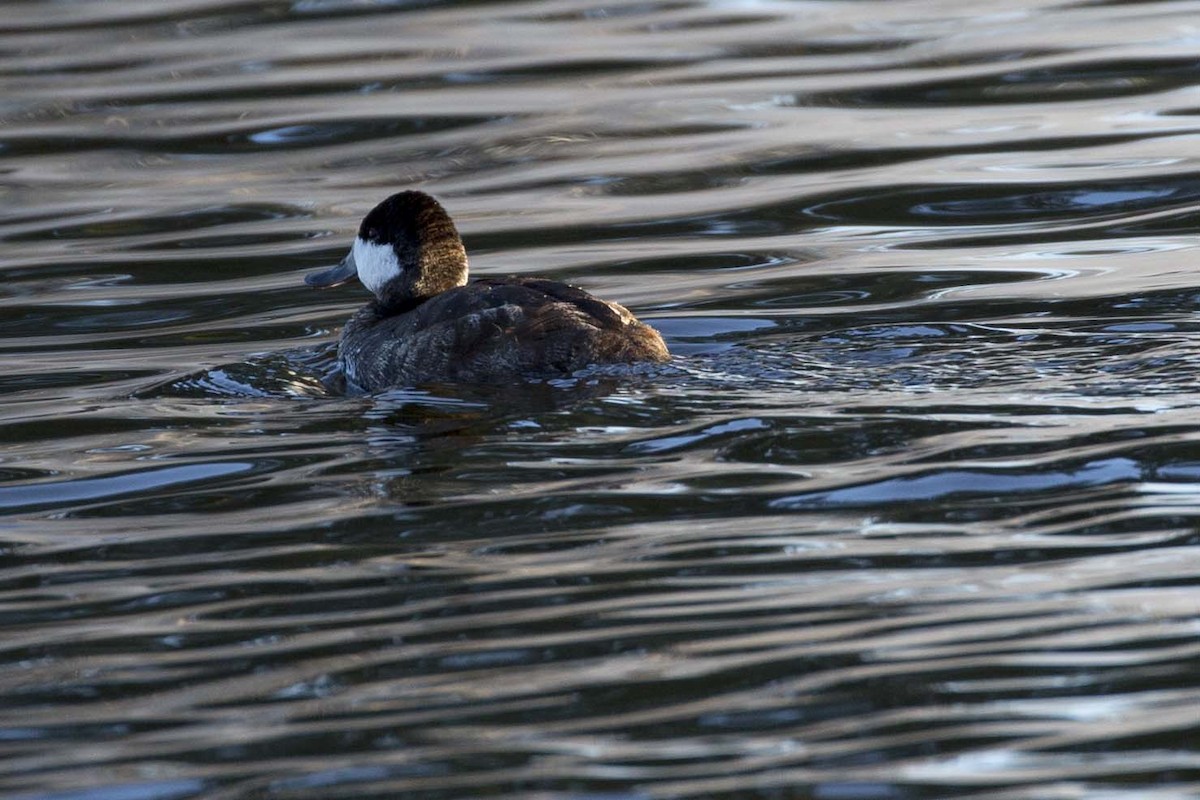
(490, 331)
(427, 326)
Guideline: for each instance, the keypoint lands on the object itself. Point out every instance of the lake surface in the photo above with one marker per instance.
(912, 514)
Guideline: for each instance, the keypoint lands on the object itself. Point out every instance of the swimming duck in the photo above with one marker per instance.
(427, 324)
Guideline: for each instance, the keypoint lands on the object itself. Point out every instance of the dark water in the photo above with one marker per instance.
(913, 514)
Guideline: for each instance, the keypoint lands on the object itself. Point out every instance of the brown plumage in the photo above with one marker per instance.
(426, 325)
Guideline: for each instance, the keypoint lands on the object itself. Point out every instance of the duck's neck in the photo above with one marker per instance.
(390, 305)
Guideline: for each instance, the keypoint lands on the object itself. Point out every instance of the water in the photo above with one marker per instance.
(913, 513)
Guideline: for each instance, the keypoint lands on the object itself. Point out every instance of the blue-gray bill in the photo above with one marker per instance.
(334, 276)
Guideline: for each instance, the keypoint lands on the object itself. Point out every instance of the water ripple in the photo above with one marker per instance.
(911, 514)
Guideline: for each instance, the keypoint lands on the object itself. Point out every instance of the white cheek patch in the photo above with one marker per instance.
(376, 264)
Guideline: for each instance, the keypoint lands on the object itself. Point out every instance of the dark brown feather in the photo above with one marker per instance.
(494, 330)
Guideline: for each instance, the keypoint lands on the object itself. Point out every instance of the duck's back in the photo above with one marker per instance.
(493, 330)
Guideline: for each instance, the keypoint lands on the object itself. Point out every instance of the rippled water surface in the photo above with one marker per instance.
(912, 514)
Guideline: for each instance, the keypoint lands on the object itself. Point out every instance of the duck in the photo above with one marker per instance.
(427, 324)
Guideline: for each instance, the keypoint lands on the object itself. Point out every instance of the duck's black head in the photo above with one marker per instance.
(407, 250)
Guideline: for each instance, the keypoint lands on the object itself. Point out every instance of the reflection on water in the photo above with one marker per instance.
(911, 515)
